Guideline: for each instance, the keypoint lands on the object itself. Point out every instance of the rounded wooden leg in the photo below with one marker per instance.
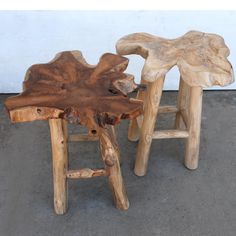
(59, 163)
(152, 100)
(134, 131)
(182, 104)
(110, 156)
(115, 143)
(194, 128)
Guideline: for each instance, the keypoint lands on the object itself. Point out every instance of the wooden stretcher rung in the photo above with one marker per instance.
(82, 137)
(175, 133)
(167, 109)
(85, 173)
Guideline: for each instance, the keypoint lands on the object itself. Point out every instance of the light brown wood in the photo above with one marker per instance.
(162, 134)
(181, 118)
(60, 164)
(82, 137)
(134, 125)
(167, 109)
(139, 120)
(200, 57)
(194, 128)
(110, 156)
(202, 62)
(85, 173)
(151, 105)
(184, 116)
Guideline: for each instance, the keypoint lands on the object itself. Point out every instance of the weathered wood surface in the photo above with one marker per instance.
(111, 158)
(69, 88)
(82, 137)
(60, 164)
(194, 128)
(200, 57)
(151, 105)
(173, 133)
(202, 62)
(85, 173)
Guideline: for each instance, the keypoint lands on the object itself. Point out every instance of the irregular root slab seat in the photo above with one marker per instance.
(67, 89)
(202, 62)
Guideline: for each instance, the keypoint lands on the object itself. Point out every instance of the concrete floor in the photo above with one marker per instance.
(169, 200)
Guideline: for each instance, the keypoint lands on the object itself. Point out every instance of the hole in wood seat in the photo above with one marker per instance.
(93, 131)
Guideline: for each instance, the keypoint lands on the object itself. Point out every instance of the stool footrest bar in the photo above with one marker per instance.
(82, 137)
(85, 173)
(175, 133)
(167, 109)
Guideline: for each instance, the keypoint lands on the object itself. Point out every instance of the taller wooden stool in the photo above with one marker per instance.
(69, 90)
(202, 62)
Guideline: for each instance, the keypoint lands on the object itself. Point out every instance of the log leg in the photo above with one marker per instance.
(115, 143)
(152, 101)
(133, 131)
(182, 103)
(110, 156)
(59, 163)
(194, 128)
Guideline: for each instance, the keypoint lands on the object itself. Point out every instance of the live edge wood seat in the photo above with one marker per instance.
(68, 89)
(202, 62)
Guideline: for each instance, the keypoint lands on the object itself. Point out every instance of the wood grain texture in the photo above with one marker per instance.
(151, 105)
(173, 133)
(110, 155)
(71, 89)
(181, 118)
(194, 128)
(59, 164)
(85, 173)
(134, 130)
(82, 137)
(200, 57)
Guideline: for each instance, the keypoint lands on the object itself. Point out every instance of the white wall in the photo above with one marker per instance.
(29, 37)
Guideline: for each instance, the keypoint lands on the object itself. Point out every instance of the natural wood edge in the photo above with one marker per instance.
(167, 109)
(32, 113)
(210, 68)
(82, 137)
(85, 173)
(162, 134)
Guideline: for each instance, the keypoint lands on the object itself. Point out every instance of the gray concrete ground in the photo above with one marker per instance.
(169, 200)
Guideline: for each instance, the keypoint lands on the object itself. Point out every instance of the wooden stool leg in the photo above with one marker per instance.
(194, 128)
(115, 143)
(110, 156)
(59, 163)
(152, 100)
(182, 104)
(134, 131)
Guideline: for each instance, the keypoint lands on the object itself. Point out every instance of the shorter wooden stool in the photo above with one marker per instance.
(202, 62)
(69, 90)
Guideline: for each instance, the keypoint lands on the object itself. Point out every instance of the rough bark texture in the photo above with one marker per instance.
(69, 88)
(200, 57)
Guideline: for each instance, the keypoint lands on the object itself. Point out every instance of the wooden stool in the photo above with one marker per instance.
(69, 89)
(202, 62)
